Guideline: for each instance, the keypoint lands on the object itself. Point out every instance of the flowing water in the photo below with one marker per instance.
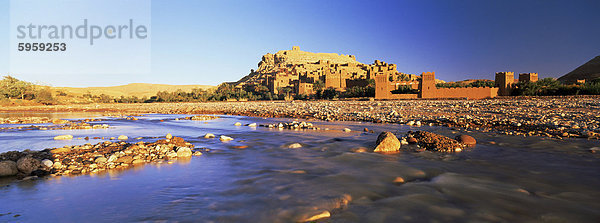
(502, 179)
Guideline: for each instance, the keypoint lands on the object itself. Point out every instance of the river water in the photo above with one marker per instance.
(502, 179)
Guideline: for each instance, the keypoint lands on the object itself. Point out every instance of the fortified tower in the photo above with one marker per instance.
(528, 77)
(427, 85)
(382, 90)
(504, 81)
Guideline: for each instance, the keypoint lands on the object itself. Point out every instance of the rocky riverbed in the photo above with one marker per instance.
(563, 117)
(90, 158)
(285, 170)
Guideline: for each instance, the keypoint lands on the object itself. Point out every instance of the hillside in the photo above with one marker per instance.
(588, 71)
(136, 89)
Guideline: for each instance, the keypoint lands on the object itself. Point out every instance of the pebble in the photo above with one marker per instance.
(209, 135)
(225, 138)
(63, 137)
(295, 146)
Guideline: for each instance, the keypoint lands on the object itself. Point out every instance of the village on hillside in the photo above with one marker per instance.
(299, 73)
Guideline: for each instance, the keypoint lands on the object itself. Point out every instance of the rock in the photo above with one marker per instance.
(169, 136)
(63, 137)
(138, 161)
(411, 140)
(197, 153)
(595, 150)
(347, 130)
(209, 135)
(172, 154)
(60, 150)
(387, 143)
(57, 165)
(27, 164)
(112, 158)
(124, 159)
(47, 163)
(252, 125)
(466, 139)
(123, 137)
(237, 124)
(398, 180)
(365, 130)
(184, 152)
(8, 168)
(101, 159)
(435, 142)
(225, 138)
(324, 214)
(295, 146)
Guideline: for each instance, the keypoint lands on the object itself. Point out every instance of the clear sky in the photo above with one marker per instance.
(209, 42)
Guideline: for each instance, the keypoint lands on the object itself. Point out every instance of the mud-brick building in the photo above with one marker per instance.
(504, 83)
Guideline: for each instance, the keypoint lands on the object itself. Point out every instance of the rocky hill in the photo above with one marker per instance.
(588, 71)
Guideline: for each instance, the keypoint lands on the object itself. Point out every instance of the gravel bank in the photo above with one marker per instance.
(553, 117)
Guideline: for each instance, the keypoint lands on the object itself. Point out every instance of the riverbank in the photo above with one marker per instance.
(560, 117)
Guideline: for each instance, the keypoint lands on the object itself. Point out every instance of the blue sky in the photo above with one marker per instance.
(209, 42)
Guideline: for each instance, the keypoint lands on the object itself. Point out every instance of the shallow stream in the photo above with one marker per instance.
(502, 179)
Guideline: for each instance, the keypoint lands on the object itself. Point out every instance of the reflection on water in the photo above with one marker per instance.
(504, 178)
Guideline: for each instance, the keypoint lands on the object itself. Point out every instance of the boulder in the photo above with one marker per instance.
(252, 125)
(63, 137)
(8, 168)
(169, 136)
(387, 143)
(28, 164)
(123, 137)
(184, 152)
(347, 130)
(47, 163)
(237, 124)
(466, 139)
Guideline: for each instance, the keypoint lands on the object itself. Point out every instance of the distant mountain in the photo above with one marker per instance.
(587, 72)
(136, 89)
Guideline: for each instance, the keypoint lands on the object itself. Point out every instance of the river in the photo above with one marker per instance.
(502, 179)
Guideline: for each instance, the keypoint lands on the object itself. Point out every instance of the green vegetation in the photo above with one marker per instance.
(552, 87)
(13, 88)
(477, 83)
(405, 89)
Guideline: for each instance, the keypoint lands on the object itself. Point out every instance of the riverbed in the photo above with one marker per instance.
(502, 179)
